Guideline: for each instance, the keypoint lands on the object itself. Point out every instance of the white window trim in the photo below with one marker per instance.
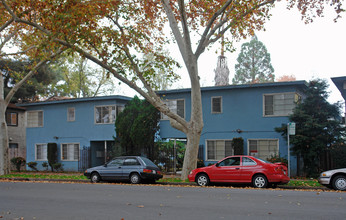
(36, 152)
(206, 148)
(61, 150)
(74, 114)
(279, 93)
(221, 107)
(98, 106)
(262, 139)
(27, 117)
(166, 119)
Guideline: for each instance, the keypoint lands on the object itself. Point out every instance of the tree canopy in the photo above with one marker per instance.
(318, 126)
(136, 127)
(254, 64)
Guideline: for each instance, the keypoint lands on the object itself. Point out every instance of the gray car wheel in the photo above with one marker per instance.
(259, 181)
(95, 178)
(339, 183)
(135, 178)
(202, 180)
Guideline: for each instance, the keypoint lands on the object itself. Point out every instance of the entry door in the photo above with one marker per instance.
(229, 170)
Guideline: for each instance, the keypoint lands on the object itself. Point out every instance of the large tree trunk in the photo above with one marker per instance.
(4, 160)
(191, 153)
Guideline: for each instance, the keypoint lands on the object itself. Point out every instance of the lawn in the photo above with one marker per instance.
(167, 179)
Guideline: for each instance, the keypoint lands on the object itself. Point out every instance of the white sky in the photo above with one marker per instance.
(316, 50)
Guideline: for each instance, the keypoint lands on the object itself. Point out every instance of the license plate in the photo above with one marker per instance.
(154, 171)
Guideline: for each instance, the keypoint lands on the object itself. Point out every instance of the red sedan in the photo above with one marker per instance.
(241, 169)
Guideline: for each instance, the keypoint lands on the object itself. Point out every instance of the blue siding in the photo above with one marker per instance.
(56, 128)
(242, 109)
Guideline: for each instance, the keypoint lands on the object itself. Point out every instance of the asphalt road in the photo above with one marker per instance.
(34, 200)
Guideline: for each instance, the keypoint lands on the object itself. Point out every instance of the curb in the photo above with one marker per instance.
(157, 183)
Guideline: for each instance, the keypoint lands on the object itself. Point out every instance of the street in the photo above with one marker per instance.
(34, 200)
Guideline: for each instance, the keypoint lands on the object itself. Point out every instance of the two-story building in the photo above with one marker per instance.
(16, 124)
(251, 112)
(74, 125)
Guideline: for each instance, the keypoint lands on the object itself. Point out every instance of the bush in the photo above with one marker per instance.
(18, 162)
(45, 165)
(57, 166)
(200, 163)
(238, 146)
(32, 165)
(277, 159)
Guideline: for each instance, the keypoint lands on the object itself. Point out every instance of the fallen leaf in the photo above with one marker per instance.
(140, 206)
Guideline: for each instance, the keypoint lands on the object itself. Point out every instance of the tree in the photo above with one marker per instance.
(317, 126)
(286, 78)
(253, 64)
(136, 127)
(116, 34)
(13, 33)
(13, 70)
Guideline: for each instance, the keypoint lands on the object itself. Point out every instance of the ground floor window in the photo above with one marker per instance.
(263, 148)
(70, 152)
(41, 152)
(219, 149)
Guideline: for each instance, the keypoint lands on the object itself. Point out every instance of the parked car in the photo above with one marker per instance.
(334, 179)
(133, 168)
(241, 169)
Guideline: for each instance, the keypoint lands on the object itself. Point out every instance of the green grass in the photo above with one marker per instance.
(80, 176)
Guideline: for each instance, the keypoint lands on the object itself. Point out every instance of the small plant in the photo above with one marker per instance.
(18, 162)
(32, 165)
(57, 166)
(277, 159)
(45, 165)
(200, 163)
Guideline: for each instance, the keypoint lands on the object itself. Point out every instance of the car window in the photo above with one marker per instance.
(233, 161)
(248, 162)
(131, 162)
(148, 162)
(116, 162)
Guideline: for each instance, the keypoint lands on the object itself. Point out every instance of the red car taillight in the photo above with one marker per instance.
(147, 171)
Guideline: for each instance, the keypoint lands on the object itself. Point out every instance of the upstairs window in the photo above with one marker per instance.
(216, 105)
(105, 114)
(175, 105)
(281, 104)
(35, 119)
(12, 118)
(71, 114)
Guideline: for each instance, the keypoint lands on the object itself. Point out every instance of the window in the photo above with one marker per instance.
(216, 105)
(131, 162)
(12, 118)
(116, 162)
(281, 104)
(41, 151)
(35, 119)
(263, 148)
(105, 114)
(234, 161)
(248, 162)
(176, 106)
(13, 150)
(71, 114)
(218, 149)
(70, 152)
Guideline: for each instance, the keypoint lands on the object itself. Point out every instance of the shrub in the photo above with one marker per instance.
(238, 146)
(200, 163)
(277, 159)
(57, 166)
(18, 162)
(45, 165)
(32, 165)
(52, 154)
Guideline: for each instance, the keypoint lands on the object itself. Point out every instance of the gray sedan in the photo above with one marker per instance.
(133, 168)
(335, 179)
